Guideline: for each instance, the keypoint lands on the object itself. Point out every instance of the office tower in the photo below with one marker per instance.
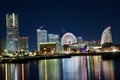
(12, 33)
(23, 43)
(53, 37)
(41, 37)
(106, 36)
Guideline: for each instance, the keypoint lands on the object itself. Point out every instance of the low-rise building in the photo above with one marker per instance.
(50, 47)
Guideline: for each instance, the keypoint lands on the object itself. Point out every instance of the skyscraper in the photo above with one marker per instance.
(53, 37)
(41, 37)
(12, 33)
(23, 43)
(106, 36)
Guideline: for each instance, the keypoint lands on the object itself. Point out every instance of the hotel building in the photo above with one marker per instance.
(41, 37)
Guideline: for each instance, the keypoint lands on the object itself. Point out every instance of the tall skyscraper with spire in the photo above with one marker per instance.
(12, 39)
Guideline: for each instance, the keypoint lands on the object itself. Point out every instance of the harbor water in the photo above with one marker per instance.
(74, 68)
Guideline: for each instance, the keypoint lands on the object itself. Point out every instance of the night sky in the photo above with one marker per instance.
(84, 18)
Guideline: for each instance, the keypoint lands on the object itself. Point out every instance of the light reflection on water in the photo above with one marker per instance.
(50, 69)
(108, 70)
(74, 68)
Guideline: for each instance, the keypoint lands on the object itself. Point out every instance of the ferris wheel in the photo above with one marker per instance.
(68, 38)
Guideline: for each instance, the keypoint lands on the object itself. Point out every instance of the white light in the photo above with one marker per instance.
(38, 30)
(114, 50)
(13, 19)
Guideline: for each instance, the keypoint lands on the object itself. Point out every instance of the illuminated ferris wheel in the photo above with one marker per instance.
(106, 36)
(68, 38)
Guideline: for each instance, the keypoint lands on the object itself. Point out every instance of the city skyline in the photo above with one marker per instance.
(82, 18)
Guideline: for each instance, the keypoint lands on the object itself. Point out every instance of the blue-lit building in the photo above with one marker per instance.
(53, 37)
(12, 39)
(41, 37)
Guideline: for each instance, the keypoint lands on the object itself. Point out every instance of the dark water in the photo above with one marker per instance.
(74, 68)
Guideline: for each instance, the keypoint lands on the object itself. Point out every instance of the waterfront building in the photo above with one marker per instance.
(53, 37)
(41, 37)
(50, 47)
(106, 36)
(74, 48)
(93, 44)
(2, 45)
(12, 39)
(68, 38)
(79, 40)
(23, 43)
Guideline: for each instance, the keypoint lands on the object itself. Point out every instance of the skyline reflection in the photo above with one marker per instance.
(50, 69)
(77, 68)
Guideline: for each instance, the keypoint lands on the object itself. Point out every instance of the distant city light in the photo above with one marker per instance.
(80, 37)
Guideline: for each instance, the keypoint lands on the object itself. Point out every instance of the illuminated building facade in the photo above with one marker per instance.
(53, 37)
(50, 47)
(12, 33)
(68, 38)
(106, 36)
(2, 44)
(79, 40)
(41, 37)
(92, 43)
(23, 43)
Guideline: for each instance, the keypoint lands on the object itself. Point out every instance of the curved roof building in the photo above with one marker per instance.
(106, 36)
(68, 38)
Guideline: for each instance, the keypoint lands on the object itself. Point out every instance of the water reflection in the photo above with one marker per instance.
(50, 69)
(10, 72)
(13, 72)
(87, 68)
(108, 70)
(94, 67)
(74, 68)
(2, 72)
